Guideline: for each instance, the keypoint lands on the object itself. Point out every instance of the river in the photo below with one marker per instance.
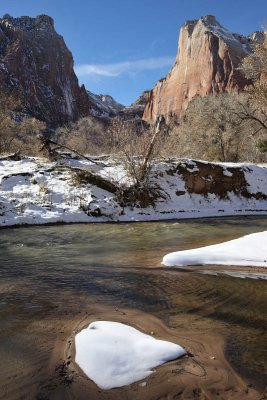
(48, 272)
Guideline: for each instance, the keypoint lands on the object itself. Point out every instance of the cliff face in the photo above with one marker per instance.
(35, 60)
(136, 110)
(207, 63)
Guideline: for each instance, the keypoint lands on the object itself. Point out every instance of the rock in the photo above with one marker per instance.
(103, 105)
(35, 60)
(207, 63)
(11, 157)
(143, 384)
(136, 110)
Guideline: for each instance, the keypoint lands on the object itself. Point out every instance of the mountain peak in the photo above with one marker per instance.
(207, 62)
(103, 105)
(28, 23)
(210, 19)
(210, 24)
(37, 59)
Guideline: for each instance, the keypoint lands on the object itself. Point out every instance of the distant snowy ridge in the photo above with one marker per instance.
(221, 32)
(103, 105)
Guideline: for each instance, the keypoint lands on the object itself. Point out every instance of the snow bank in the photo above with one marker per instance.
(114, 355)
(250, 250)
(33, 191)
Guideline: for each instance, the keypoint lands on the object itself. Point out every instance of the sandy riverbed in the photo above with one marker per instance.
(56, 281)
(205, 374)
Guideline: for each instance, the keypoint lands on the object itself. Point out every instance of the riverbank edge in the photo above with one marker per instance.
(178, 220)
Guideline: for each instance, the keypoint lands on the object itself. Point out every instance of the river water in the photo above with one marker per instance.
(49, 271)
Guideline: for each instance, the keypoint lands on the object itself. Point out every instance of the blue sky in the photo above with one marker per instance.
(122, 47)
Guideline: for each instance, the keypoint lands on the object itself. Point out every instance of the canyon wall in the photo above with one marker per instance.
(36, 62)
(207, 62)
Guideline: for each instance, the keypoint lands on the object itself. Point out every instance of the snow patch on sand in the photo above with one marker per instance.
(250, 250)
(114, 355)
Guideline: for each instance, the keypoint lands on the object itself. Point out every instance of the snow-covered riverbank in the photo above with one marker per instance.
(34, 191)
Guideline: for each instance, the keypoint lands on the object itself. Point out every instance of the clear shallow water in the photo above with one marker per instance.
(47, 272)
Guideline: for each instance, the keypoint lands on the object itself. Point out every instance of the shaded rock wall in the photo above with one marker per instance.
(35, 60)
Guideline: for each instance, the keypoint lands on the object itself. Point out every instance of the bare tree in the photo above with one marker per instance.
(207, 130)
(255, 68)
(18, 132)
(8, 103)
(262, 145)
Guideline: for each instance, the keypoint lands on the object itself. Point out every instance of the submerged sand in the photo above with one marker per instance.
(204, 374)
(41, 365)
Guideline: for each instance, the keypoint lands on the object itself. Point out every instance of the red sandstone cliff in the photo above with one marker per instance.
(207, 63)
(35, 60)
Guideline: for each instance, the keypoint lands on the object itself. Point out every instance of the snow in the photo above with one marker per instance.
(35, 191)
(227, 173)
(113, 354)
(105, 105)
(221, 32)
(250, 250)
